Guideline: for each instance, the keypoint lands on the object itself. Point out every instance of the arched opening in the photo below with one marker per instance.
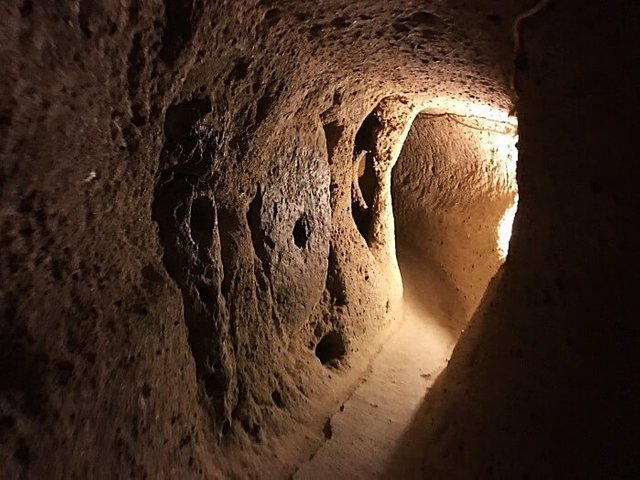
(443, 198)
(454, 195)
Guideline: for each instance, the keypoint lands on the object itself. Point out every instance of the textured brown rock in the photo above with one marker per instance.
(177, 180)
(453, 183)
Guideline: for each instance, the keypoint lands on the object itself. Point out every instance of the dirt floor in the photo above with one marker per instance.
(379, 431)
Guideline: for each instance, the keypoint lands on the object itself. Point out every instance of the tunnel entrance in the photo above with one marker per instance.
(454, 196)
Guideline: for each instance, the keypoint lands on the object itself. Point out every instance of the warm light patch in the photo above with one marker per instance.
(505, 227)
(494, 132)
(503, 148)
(436, 105)
(498, 143)
(500, 149)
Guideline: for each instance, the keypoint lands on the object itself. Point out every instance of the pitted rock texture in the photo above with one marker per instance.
(452, 185)
(176, 225)
(176, 191)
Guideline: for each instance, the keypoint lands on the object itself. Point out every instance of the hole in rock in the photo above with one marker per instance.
(332, 133)
(331, 347)
(365, 187)
(202, 221)
(178, 30)
(301, 231)
(226, 427)
(180, 120)
(214, 385)
(276, 396)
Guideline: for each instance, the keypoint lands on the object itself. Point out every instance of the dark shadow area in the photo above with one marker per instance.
(202, 221)
(407, 459)
(331, 347)
(364, 189)
(301, 231)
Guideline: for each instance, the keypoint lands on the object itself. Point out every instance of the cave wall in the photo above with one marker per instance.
(176, 227)
(542, 383)
(452, 184)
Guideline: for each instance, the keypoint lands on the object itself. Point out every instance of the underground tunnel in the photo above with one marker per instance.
(293, 239)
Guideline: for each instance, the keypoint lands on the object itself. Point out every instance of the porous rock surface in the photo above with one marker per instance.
(541, 384)
(176, 184)
(452, 184)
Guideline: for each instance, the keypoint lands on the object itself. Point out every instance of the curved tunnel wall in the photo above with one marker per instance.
(543, 374)
(163, 344)
(97, 351)
(452, 185)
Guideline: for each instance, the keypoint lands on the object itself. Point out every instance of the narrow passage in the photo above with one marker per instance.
(376, 434)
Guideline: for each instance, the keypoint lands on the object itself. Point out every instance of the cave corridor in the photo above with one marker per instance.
(340, 239)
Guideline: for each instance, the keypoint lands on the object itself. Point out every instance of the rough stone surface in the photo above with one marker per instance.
(541, 383)
(452, 185)
(176, 192)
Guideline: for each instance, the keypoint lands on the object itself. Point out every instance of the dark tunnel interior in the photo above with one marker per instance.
(339, 239)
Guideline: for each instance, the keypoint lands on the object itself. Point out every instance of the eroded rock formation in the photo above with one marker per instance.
(193, 277)
(454, 182)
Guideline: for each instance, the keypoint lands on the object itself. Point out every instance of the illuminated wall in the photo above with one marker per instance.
(455, 196)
